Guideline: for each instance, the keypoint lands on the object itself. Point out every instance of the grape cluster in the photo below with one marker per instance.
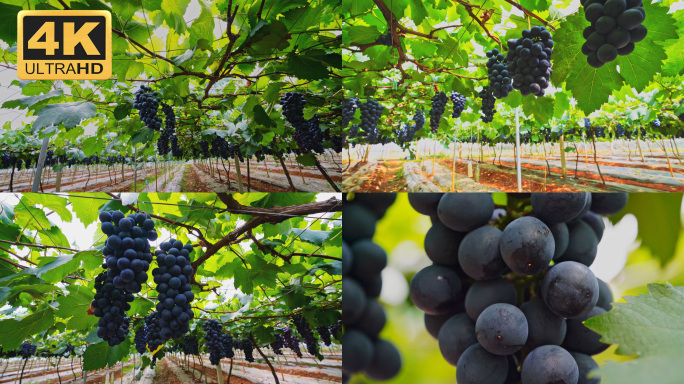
(190, 345)
(600, 132)
(227, 343)
(488, 104)
(153, 331)
(439, 101)
(308, 134)
(147, 104)
(348, 109)
(278, 344)
(529, 61)
(127, 249)
(140, 339)
(619, 131)
(27, 350)
(499, 78)
(214, 341)
(362, 314)
(419, 119)
(169, 129)
(110, 305)
(370, 114)
(324, 333)
(385, 39)
(305, 331)
(173, 287)
(176, 151)
(482, 261)
(405, 134)
(248, 348)
(292, 341)
(655, 123)
(615, 27)
(458, 102)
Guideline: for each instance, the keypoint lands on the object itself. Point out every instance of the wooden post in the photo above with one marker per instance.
(561, 144)
(667, 156)
(287, 174)
(327, 177)
(241, 187)
(39, 166)
(453, 172)
(219, 373)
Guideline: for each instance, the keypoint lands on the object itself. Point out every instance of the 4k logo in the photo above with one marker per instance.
(64, 45)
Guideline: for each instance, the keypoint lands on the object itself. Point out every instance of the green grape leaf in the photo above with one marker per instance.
(649, 326)
(13, 332)
(28, 102)
(69, 114)
(8, 23)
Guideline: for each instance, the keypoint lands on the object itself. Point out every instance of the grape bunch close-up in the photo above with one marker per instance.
(499, 77)
(127, 248)
(173, 286)
(488, 105)
(458, 102)
(509, 288)
(147, 104)
(615, 28)
(529, 61)
(110, 305)
(349, 107)
(439, 101)
(362, 314)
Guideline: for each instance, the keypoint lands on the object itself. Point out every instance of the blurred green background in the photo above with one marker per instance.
(642, 244)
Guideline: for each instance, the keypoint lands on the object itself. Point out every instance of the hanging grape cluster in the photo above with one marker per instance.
(308, 134)
(212, 335)
(499, 78)
(488, 104)
(221, 148)
(140, 339)
(278, 344)
(324, 333)
(439, 101)
(147, 104)
(153, 331)
(173, 287)
(248, 348)
(190, 345)
(127, 249)
(458, 102)
(110, 305)
(305, 331)
(370, 114)
(385, 39)
(228, 343)
(176, 151)
(615, 28)
(529, 61)
(169, 130)
(27, 350)
(349, 107)
(292, 341)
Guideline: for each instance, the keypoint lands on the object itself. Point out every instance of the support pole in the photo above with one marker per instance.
(517, 145)
(39, 165)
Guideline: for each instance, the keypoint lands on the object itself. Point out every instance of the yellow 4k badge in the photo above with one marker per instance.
(64, 45)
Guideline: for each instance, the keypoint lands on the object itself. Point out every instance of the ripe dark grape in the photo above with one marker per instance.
(110, 305)
(324, 333)
(308, 134)
(386, 361)
(477, 366)
(305, 331)
(570, 289)
(544, 326)
(608, 203)
(465, 212)
(458, 102)
(580, 338)
(549, 364)
(213, 337)
(127, 248)
(227, 343)
(140, 339)
(484, 293)
(479, 255)
(419, 119)
(442, 245)
(370, 114)
(435, 289)
(558, 207)
(153, 331)
(455, 336)
(358, 351)
(292, 341)
(582, 243)
(385, 39)
(173, 286)
(147, 104)
(439, 101)
(248, 348)
(190, 345)
(488, 104)
(348, 109)
(605, 299)
(585, 364)
(529, 61)
(169, 130)
(527, 245)
(615, 28)
(27, 350)
(499, 77)
(501, 329)
(279, 343)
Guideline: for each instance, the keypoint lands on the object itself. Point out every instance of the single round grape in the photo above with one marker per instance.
(464, 212)
(558, 207)
(527, 245)
(608, 203)
(605, 299)
(477, 366)
(561, 238)
(441, 245)
(570, 289)
(549, 364)
(544, 326)
(369, 259)
(372, 320)
(484, 293)
(353, 300)
(386, 361)
(580, 338)
(582, 244)
(501, 329)
(585, 364)
(435, 289)
(359, 351)
(455, 336)
(363, 223)
(479, 254)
